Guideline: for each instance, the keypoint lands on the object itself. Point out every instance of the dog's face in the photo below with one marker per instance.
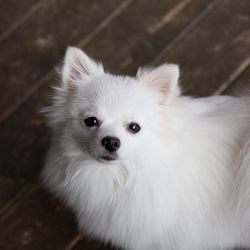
(113, 118)
(114, 115)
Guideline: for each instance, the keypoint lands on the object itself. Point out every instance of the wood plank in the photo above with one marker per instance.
(215, 49)
(165, 37)
(241, 86)
(138, 40)
(43, 38)
(241, 67)
(35, 230)
(13, 12)
(25, 141)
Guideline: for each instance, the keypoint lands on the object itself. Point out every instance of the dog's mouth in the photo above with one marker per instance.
(108, 158)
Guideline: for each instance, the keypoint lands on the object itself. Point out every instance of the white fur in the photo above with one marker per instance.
(180, 183)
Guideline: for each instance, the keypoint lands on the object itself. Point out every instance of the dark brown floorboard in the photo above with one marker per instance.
(32, 50)
(214, 50)
(33, 224)
(12, 12)
(241, 86)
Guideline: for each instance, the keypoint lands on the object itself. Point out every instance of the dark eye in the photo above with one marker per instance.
(91, 121)
(134, 128)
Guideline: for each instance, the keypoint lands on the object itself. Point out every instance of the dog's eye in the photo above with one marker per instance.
(134, 128)
(91, 121)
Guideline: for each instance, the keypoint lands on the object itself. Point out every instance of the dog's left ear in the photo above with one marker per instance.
(164, 78)
(79, 68)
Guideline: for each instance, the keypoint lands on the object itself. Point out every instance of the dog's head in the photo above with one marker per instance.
(112, 117)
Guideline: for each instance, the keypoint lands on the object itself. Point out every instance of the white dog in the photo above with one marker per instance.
(145, 168)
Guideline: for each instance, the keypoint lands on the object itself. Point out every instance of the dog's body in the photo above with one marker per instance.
(145, 168)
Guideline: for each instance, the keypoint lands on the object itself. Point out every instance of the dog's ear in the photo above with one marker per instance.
(164, 78)
(78, 67)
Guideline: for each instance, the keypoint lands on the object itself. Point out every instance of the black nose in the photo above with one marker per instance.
(111, 144)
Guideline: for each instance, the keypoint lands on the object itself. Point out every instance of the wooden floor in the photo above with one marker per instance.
(210, 39)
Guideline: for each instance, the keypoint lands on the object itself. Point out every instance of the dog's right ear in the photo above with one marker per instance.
(163, 78)
(79, 68)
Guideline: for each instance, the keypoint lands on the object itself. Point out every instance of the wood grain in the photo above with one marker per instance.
(13, 13)
(43, 39)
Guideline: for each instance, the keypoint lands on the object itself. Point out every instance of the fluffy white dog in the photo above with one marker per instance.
(145, 168)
